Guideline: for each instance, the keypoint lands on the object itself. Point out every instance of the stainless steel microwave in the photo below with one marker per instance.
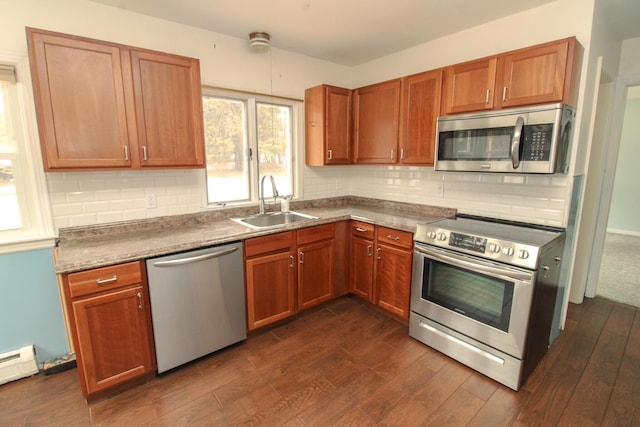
(534, 139)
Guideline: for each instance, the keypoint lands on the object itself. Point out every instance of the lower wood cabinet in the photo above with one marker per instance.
(381, 260)
(287, 272)
(270, 274)
(111, 324)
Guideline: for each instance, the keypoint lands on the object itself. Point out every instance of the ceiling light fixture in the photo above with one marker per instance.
(259, 42)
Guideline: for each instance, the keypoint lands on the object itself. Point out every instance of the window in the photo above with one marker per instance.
(246, 137)
(25, 222)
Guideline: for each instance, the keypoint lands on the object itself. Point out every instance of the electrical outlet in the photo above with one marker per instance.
(151, 201)
(438, 190)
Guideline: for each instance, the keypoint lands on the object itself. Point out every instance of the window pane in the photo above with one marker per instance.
(7, 137)
(226, 145)
(10, 218)
(274, 144)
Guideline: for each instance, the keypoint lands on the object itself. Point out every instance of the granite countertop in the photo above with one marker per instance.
(82, 248)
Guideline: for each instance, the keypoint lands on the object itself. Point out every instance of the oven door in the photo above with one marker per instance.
(487, 301)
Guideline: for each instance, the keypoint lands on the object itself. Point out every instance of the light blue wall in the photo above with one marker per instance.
(30, 309)
(625, 199)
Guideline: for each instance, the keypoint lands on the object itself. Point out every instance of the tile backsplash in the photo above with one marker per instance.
(86, 198)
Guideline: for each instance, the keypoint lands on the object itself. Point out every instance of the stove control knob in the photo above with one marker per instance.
(431, 235)
(508, 251)
(442, 237)
(523, 254)
(495, 248)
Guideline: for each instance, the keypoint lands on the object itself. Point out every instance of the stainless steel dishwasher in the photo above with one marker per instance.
(197, 303)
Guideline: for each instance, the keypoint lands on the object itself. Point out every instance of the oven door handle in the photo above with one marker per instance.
(504, 272)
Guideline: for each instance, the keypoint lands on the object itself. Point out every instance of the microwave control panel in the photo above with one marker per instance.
(536, 144)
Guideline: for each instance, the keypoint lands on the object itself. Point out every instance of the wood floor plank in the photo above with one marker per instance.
(624, 409)
(589, 402)
(546, 406)
(346, 364)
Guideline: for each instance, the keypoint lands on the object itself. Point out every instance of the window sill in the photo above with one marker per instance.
(28, 244)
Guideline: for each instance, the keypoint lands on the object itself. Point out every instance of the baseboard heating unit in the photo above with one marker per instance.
(18, 364)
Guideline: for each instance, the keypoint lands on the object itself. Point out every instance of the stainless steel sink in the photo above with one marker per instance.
(273, 219)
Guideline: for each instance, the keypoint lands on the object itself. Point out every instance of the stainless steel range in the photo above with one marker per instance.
(483, 292)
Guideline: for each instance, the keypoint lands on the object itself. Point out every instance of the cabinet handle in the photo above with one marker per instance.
(486, 99)
(126, 153)
(109, 280)
(301, 257)
(378, 253)
(139, 300)
(390, 237)
(291, 261)
(360, 230)
(330, 154)
(144, 153)
(504, 93)
(402, 154)
(393, 154)
(369, 253)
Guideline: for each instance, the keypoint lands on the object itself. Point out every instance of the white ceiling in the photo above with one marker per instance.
(352, 32)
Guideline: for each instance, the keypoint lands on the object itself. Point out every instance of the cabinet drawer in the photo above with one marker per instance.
(362, 229)
(105, 278)
(314, 234)
(271, 243)
(395, 237)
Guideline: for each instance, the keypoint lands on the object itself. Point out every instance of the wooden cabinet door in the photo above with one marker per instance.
(112, 338)
(419, 110)
(469, 86)
(315, 273)
(271, 283)
(168, 102)
(80, 102)
(534, 75)
(328, 126)
(361, 277)
(393, 279)
(376, 115)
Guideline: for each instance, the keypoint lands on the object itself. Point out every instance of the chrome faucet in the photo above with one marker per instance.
(273, 189)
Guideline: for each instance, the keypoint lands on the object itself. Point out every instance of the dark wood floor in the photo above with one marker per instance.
(346, 364)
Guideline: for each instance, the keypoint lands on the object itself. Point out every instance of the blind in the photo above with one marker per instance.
(7, 73)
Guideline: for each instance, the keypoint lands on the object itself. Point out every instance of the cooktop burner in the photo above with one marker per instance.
(509, 242)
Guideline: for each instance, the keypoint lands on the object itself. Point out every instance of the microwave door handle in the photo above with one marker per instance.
(515, 143)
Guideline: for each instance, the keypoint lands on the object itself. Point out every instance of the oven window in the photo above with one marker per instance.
(480, 297)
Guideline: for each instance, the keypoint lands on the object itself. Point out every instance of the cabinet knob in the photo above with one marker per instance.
(312, 124)
(139, 300)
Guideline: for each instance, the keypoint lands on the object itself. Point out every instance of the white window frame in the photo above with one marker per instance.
(297, 135)
(37, 230)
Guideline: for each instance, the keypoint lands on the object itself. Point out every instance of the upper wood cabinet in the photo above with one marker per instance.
(538, 74)
(327, 126)
(419, 110)
(469, 86)
(168, 101)
(376, 116)
(107, 106)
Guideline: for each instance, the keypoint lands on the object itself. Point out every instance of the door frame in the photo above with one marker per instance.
(614, 134)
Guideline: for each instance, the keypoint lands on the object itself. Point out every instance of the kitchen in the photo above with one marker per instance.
(294, 73)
